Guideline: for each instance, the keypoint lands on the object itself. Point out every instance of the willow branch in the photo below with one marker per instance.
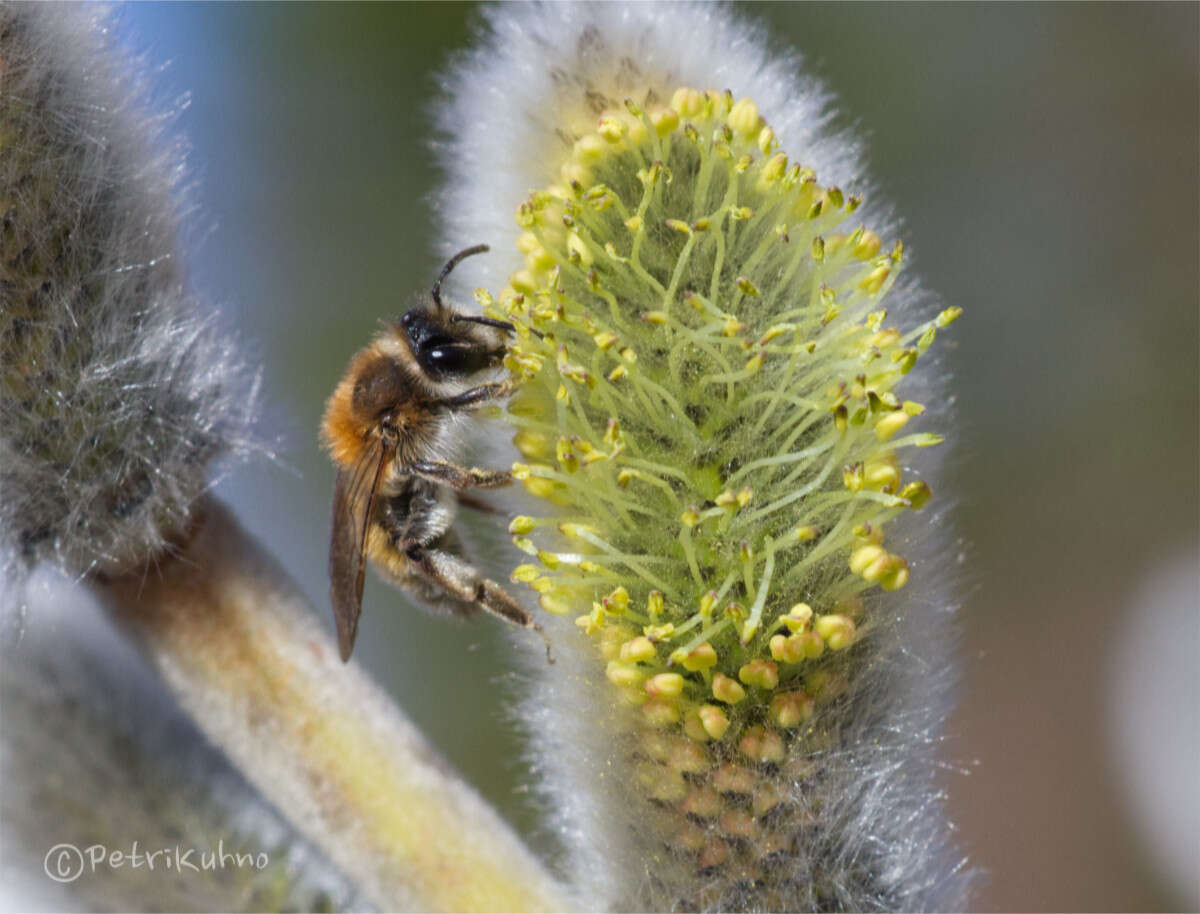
(238, 645)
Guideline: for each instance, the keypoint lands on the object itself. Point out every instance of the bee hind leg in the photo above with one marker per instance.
(457, 477)
(463, 582)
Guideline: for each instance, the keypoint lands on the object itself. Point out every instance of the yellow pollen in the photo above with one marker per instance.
(798, 617)
(727, 690)
(838, 631)
(790, 709)
(639, 650)
(761, 673)
(661, 712)
(701, 657)
(623, 674)
(714, 720)
(761, 745)
(665, 685)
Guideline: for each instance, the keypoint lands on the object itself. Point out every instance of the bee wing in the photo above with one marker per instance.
(353, 497)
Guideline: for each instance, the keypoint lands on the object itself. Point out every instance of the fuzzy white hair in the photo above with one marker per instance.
(116, 390)
(514, 106)
(537, 68)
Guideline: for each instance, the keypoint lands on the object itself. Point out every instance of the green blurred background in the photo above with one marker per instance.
(1045, 161)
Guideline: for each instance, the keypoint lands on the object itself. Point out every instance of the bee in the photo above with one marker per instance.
(388, 426)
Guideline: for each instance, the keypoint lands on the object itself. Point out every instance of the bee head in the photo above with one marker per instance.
(449, 345)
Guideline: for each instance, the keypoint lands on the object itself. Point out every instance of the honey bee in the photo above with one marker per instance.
(387, 426)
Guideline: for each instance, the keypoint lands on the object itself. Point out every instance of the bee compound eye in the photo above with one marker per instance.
(408, 318)
(458, 359)
(446, 358)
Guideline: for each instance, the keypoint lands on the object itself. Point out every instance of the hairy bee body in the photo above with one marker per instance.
(384, 384)
(389, 428)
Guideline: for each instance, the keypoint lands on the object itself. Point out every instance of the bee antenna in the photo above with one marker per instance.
(454, 261)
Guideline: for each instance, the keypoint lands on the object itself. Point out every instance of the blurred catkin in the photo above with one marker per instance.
(116, 390)
(95, 754)
(718, 399)
(116, 394)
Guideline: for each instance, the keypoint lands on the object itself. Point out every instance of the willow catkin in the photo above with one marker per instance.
(724, 405)
(116, 389)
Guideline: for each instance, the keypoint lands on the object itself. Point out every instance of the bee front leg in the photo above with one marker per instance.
(460, 477)
(493, 390)
(463, 581)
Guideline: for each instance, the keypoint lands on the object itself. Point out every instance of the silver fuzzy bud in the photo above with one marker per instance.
(116, 389)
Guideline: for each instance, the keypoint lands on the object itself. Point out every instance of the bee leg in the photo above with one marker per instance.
(492, 390)
(460, 477)
(463, 581)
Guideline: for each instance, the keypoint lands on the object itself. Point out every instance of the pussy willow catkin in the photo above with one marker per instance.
(117, 389)
(711, 411)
